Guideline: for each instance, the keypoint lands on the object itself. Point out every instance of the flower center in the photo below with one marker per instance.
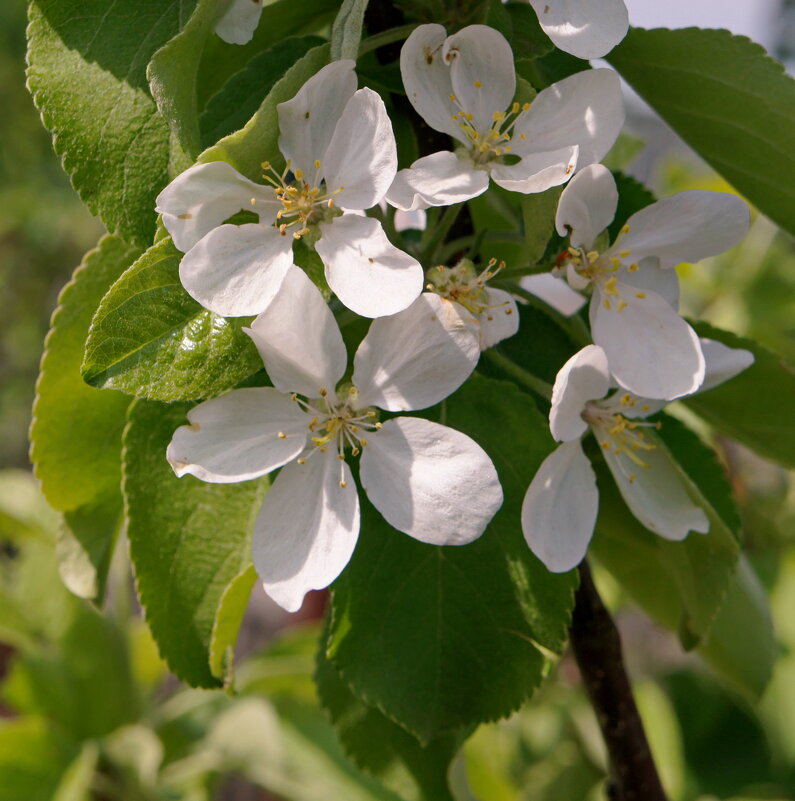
(305, 204)
(463, 284)
(493, 143)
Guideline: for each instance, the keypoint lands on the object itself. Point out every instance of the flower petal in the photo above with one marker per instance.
(559, 508)
(554, 291)
(307, 529)
(536, 172)
(238, 23)
(440, 179)
(361, 160)
(586, 30)
(500, 320)
(481, 71)
(652, 278)
(299, 340)
(587, 205)
(651, 350)
(583, 378)
(585, 109)
(656, 494)
(365, 270)
(239, 436)
(237, 270)
(307, 122)
(416, 358)
(427, 80)
(722, 362)
(686, 227)
(430, 481)
(205, 195)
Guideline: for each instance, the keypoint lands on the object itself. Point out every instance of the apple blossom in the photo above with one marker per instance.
(560, 506)
(239, 21)
(651, 350)
(585, 29)
(464, 85)
(426, 479)
(341, 159)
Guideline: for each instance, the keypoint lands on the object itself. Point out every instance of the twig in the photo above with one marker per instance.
(597, 649)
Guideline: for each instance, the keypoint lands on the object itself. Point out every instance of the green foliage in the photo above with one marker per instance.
(149, 338)
(189, 541)
(754, 408)
(731, 102)
(440, 638)
(346, 32)
(87, 73)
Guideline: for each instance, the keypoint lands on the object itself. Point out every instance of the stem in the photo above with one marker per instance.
(518, 374)
(597, 649)
(385, 38)
(438, 233)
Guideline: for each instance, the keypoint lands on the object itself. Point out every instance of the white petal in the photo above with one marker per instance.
(655, 494)
(481, 71)
(307, 122)
(651, 350)
(686, 227)
(440, 179)
(560, 506)
(299, 340)
(586, 30)
(416, 358)
(587, 205)
(427, 80)
(554, 291)
(236, 270)
(722, 362)
(500, 320)
(361, 160)
(205, 195)
(239, 436)
(307, 529)
(651, 277)
(536, 172)
(430, 481)
(365, 270)
(631, 406)
(239, 21)
(585, 109)
(416, 220)
(583, 378)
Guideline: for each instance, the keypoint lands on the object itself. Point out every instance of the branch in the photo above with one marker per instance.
(597, 649)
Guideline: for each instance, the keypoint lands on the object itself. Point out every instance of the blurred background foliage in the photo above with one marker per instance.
(87, 708)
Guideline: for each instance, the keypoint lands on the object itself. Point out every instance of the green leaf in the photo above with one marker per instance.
(528, 40)
(188, 541)
(172, 74)
(381, 747)
(755, 407)
(741, 645)
(346, 32)
(258, 140)
(632, 197)
(443, 638)
(232, 107)
(87, 72)
(731, 102)
(77, 780)
(681, 585)
(538, 213)
(149, 338)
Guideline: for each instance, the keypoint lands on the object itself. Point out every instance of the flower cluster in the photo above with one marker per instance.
(429, 322)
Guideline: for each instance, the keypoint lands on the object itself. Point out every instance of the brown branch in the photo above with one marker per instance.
(597, 649)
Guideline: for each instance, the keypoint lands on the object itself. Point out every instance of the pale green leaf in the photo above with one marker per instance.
(346, 32)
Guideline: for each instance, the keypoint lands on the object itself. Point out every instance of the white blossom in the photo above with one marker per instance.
(651, 350)
(588, 29)
(426, 479)
(238, 23)
(560, 507)
(341, 159)
(464, 85)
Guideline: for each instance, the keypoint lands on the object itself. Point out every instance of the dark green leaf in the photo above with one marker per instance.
(442, 638)
(149, 338)
(632, 197)
(755, 407)
(731, 102)
(188, 541)
(528, 40)
(232, 107)
(87, 72)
